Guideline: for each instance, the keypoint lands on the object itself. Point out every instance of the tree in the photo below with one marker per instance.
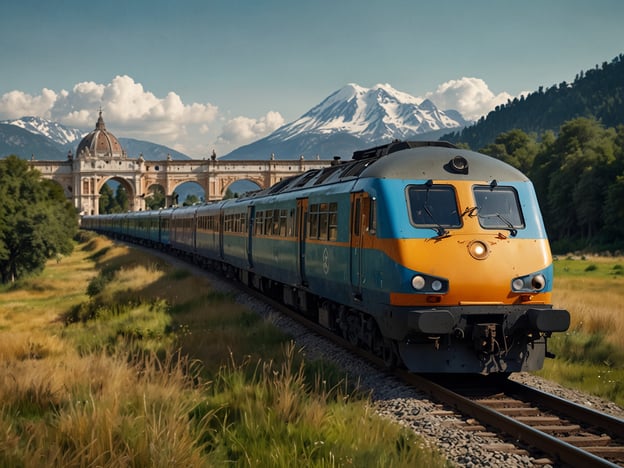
(36, 221)
(121, 197)
(106, 200)
(156, 199)
(514, 147)
(190, 200)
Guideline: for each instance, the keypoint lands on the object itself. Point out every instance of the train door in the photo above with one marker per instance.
(301, 223)
(250, 227)
(360, 205)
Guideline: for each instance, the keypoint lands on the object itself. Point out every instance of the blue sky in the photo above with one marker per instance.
(229, 72)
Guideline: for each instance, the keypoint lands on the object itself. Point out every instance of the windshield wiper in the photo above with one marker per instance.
(512, 230)
(510, 227)
(439, 229)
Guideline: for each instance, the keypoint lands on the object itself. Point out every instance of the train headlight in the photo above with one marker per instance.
(517, 284)
(478, 250)
(436, 285)
(538, 282)
(529, 283)
(418, 282)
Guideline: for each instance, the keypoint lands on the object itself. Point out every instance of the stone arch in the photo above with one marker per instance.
(133, 203)
(185, 188)
(244, 184)
(226, 182)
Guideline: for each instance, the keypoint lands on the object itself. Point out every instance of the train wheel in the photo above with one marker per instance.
(352, 333)
(389, 353)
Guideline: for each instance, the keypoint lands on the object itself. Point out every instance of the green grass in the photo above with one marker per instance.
(154, 367)
(593, 267)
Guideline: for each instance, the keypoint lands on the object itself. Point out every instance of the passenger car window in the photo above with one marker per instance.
(498, 207)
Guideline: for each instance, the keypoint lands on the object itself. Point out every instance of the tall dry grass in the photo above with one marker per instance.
(590, 355)
(91, 378)
(592, 290)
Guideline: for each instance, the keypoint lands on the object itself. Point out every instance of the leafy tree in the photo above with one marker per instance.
(36, 221)
(191, 199)
(229, 194)
(121, 199)
(106, 202)
(156, 199)
(514, 147)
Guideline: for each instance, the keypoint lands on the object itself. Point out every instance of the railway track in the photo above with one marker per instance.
(558, 432)
(566, 433)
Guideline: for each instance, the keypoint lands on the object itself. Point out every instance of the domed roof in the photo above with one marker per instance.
(100, 143)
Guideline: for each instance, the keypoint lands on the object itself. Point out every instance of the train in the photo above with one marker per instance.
(432, 257)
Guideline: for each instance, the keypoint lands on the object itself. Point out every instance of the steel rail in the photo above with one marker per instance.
(613, 425)
(564, 452)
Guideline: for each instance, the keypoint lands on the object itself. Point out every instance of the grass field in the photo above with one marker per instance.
(114, 358)
(590, 356)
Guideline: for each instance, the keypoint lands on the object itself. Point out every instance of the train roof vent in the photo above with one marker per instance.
(397, 145)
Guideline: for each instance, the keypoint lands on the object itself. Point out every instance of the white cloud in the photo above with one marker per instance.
(128, 109)
(470, 96)
(241, 130)
(16, 104)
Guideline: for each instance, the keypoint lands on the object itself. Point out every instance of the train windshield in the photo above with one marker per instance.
(498, 208)
(433, 206)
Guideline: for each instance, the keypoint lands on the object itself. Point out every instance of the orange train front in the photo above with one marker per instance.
(433, 257)
(457, 262)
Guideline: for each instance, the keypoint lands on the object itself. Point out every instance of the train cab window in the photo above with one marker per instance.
(433, 206)
(498, 207)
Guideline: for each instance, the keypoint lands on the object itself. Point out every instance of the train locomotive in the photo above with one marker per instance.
(432, 257)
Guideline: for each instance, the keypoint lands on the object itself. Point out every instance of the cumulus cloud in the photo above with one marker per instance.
(241, 130)
(16, 104)
(470, 96)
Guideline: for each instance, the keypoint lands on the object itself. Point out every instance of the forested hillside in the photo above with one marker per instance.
(597, 93)
(579, 180)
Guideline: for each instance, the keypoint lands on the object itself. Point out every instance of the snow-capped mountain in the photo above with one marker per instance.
(351, 118)
(53, 130)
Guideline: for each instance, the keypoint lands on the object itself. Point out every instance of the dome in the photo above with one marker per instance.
(100, 143)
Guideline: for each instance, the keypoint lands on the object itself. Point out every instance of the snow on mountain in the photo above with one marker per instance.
(53, 130)
(374, 114)
(352, 118)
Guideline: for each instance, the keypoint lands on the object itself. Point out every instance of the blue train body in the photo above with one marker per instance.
(430, 256)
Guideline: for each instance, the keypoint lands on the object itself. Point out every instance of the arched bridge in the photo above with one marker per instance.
(82, 177)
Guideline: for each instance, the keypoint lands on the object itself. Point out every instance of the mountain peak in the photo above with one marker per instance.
(372, 114)
(355, 117)
(47, 128)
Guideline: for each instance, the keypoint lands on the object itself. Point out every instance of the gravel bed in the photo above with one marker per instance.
(413, 409)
